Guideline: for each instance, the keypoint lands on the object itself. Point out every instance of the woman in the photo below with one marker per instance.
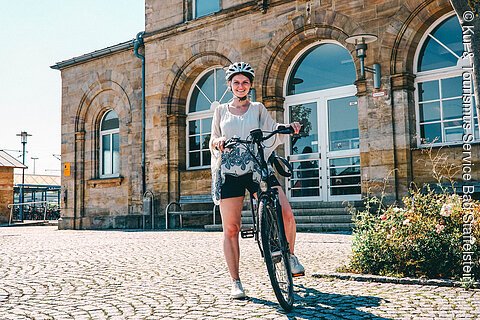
(233, 171)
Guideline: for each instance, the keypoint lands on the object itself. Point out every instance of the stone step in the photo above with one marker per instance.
(323, 204)
(31, 223)
(314, 216)
(213, 227)
(296, 206)
(301, 227)
(318, 204)
(311, 212)
(320, 211)
(321, 227)
(191, 212)
(296, 212)
(313, 219)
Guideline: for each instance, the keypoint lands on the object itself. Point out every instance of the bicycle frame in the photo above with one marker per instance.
(269, 192)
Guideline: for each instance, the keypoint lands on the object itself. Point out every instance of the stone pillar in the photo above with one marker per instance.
(72, 190)
(274, 105)
(404, 121)
(176, 154)
(79, 174)
(377, 148)
(67, 197)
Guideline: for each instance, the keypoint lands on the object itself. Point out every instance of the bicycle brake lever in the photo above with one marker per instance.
(230, 143)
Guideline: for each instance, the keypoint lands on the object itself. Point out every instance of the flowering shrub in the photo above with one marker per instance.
(425, 237)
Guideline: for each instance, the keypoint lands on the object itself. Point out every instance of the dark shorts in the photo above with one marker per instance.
(236, 186)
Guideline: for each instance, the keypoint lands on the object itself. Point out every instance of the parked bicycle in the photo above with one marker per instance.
(268, 227)
(53, 211)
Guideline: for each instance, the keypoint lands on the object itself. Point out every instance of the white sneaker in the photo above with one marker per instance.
(296, 267)
(237, 290)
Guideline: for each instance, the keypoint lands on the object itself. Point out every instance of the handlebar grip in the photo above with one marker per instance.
(285, 130)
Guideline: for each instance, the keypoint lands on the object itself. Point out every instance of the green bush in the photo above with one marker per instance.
(422, 238)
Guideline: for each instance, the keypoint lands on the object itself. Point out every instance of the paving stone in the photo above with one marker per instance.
(53, 274)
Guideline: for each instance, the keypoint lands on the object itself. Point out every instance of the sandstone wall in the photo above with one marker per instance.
(178, 49)
(6, 193)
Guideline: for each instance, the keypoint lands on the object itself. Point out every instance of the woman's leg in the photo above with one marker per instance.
(231, 211)
(288, 219)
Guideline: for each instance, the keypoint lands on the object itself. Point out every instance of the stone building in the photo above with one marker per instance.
(7, 166)
(307, 69)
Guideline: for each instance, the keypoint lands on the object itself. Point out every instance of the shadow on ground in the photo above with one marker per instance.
(313, 304)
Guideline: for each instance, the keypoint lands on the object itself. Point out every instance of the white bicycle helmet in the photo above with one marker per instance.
(239, 67)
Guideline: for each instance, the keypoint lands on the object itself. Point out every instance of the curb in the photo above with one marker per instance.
(31, 223)
(382, 279)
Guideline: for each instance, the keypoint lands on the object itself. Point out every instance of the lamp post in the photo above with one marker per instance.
(23, 136)
(34, 159)
(360, 41)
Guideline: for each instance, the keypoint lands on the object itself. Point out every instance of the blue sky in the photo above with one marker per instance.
(35, 35)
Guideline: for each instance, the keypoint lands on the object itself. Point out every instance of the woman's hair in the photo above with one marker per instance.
(248, 75)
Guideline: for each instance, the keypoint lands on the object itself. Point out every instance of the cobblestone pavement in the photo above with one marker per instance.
(50, 274)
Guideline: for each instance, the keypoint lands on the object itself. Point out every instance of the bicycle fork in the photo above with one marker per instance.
(285, 247)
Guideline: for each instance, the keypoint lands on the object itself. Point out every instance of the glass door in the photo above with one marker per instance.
(343, 174)
(304, 153)
(326, 157)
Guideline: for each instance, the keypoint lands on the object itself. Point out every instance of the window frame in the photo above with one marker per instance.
(435, 75)
(110, 133)
(198, 115)
(194, 7)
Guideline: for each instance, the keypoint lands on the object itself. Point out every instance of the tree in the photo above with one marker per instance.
(468, 14)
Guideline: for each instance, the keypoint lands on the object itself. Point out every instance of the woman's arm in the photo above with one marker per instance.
(216, 139)
(267, 122)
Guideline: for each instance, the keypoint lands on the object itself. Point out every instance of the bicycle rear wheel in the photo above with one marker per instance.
(276, 252)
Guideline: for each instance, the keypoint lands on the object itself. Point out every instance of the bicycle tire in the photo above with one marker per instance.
(276, 252)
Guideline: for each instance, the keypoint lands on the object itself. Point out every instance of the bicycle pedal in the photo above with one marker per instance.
(276, 256)
(295, 275)
(247, 233)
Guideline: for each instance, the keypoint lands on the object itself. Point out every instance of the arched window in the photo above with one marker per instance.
(439, 86)
(209, 91)
(322, 67)
(109, 145)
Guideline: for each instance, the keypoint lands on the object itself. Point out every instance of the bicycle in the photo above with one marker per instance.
(268, 221)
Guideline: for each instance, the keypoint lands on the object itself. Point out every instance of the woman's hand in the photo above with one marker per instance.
(296, 127)
(219, 143)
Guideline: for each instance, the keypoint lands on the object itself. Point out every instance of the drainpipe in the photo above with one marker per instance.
(137, 43)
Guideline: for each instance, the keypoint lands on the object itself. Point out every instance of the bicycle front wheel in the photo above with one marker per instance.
(276, 252)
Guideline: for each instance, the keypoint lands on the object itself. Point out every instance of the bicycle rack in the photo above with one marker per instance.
(149, 204)
(12, 205)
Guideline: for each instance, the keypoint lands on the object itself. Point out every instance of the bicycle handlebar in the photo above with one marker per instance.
(281, 130)
(257, 136)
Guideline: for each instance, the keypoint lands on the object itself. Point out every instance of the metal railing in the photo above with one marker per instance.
(12, 205)
(179, 204)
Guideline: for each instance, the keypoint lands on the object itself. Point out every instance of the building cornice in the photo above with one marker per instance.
(93, 55)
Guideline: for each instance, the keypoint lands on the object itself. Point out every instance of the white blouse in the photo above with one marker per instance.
(238, 161)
